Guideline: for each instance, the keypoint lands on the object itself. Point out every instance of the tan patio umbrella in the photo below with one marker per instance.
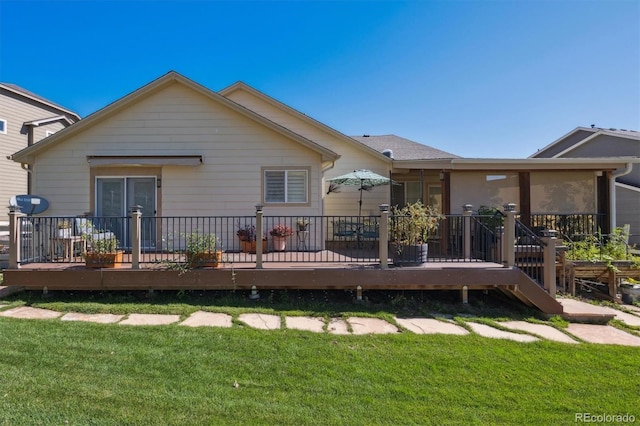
(365, 179)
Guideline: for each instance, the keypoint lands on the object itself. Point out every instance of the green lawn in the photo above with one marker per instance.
(54, 372)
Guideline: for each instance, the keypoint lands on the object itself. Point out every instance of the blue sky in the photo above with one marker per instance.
(475, 78)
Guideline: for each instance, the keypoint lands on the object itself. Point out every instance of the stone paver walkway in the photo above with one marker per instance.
(150, 319)
(544, 331)
(494, 333)
(603, 334)
(600, 334)
(338, 326)
(371, 326)
(261, 321)
(430, 326)
(208, 319)
(305, 323)
(27, 312)
(99, 318)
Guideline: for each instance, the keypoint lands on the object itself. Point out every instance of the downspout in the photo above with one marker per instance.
(612, 193)
(26, 167)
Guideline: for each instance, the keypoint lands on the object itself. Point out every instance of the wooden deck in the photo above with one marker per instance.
(287, 275)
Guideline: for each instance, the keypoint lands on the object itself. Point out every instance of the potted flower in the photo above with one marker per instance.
(302, 223)
(246, 232)
(248, 237)
(280, 233)
(409, 230)
(103, 252)
(203, 250)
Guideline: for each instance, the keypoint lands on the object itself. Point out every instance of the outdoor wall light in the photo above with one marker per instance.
(259, 208)
(509, 207)
(467, 207)
(384, 208)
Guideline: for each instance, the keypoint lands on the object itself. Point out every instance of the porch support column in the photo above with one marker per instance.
(509, 248)
(258, 236)
(467, 209)
(136, 215)
(550, 240)
(14, 237)
(383, 231)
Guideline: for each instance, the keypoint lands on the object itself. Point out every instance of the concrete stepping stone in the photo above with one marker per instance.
(493, 333)
(261, 321)
(604, 334)
(430, 326)
(313, 324)
(97, 318)
(338, 326)
(633, 308)
(628, 319)
(542, 330)
(371, 326)
(208, 319)
(573, 306)
(150, 319)
(27, 312)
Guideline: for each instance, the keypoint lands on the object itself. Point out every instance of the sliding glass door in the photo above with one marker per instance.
(116, 195)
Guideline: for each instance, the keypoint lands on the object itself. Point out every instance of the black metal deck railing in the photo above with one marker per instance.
(319, 239)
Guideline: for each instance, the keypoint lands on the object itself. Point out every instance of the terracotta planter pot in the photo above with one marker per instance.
(103, 260)
(250, 246)
(205, 259)
(279, 243)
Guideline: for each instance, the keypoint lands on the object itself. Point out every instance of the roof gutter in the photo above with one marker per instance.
(612, 193)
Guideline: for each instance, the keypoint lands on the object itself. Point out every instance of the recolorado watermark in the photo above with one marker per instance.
(605, 418)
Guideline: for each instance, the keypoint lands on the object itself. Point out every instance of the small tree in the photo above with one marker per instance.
(414, 223)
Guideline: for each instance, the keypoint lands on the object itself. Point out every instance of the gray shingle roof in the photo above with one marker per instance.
(403, 149)
(633, 134)
(17, 89)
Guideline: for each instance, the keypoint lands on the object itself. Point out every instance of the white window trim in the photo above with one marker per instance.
(48, 133)
(4, 128)
(286, 170)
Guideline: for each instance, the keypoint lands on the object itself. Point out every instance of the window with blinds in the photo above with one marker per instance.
(285, 186)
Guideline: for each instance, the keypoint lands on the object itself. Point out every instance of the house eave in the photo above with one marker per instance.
(600, 164)
(170, 78)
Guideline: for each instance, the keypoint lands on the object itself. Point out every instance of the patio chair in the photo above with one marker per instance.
(344, 231)
(86, 229)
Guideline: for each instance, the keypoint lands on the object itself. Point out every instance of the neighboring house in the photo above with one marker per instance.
(584, 142)
(179, 149)
(25, 118)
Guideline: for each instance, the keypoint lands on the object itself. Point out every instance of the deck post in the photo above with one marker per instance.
(14, 237)
(549, 260)
(136, 214)
(509, 247)
(467, 209)
(258, 236)
(383, 231)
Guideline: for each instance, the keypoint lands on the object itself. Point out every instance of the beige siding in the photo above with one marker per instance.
(483, 189)
(352, 158)
(178, 121)
(563, 192)
(16, 111)
(628, 211)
